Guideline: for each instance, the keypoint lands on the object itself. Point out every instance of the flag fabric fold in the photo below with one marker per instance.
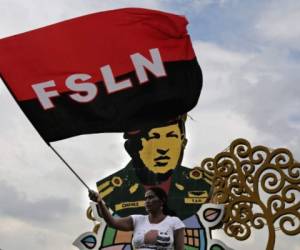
(111, 71)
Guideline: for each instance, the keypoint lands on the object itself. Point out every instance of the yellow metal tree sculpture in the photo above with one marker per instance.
(259, 187)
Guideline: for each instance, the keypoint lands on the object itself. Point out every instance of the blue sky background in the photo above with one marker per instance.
(249, 51)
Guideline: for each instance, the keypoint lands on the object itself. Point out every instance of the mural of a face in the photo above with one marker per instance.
(162, 149)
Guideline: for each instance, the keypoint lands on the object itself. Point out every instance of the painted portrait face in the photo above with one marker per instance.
(162, 149)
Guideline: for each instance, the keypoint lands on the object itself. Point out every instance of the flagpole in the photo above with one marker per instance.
(70, 168)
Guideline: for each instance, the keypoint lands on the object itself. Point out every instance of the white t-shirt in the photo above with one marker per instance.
(166, 230)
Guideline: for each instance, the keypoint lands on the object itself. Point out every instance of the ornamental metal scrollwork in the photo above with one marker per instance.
(259, 187)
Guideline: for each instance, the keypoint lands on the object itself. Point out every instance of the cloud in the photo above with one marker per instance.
(268, 98)
(17, 205)
(278, 23)
(35, 14)
(218, 65)
(258, 87)
(16, 234)
(193, 6)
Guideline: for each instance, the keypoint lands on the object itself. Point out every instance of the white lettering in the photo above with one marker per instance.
(140, 63)
(110, 82)
(89, 88)
(87, 91)
(43, 95)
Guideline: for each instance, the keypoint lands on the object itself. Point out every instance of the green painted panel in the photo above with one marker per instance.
(109, 236)
(190, 248)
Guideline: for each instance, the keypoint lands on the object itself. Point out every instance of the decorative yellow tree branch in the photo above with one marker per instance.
(259, 187)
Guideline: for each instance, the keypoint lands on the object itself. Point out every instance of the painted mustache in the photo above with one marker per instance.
(160, 158)
(165, 157)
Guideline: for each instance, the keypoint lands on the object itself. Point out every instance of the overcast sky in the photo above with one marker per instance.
(249, 52)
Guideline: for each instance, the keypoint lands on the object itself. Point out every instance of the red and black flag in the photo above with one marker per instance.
(111, 71)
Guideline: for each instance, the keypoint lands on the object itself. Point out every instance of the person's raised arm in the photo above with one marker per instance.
(179, 239)
(123, 224)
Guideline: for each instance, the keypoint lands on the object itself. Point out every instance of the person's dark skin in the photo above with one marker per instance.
(154, 207)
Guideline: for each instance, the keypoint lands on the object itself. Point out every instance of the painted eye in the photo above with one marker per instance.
(154, 136)
(172, 134)
(212, 214)
(89, 241)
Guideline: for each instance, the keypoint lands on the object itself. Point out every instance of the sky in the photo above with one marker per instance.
(249, 52)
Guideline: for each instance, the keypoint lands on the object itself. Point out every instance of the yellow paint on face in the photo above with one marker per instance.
(161, 151)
